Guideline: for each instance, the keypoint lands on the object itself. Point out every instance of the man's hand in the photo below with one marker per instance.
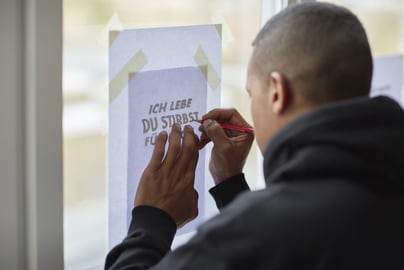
(230, 148)
(168, 180)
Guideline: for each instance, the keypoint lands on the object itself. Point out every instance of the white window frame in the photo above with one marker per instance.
(31, 186)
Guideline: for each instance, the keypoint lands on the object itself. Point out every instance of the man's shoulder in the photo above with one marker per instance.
(311, 203)
(296, 221)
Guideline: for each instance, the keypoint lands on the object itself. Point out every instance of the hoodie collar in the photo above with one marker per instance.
(318, 126)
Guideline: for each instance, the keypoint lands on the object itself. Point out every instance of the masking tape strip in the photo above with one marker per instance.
(219, 30)
(211, 75)
(130, 77)
(119, 82)
(113, 34)
(204, 70)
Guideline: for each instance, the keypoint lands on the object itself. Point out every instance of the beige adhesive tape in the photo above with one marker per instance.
(112, 36)
(204, 70)
(219, 29)
(120, 81)
(211, 76)
(104, 37)
(224, 31)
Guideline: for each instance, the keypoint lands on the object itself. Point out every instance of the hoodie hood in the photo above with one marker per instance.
(359, 139)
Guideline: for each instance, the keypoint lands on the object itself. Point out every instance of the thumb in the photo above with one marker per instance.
(215, 132)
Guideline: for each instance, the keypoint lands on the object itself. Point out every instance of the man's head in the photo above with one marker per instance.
(306, 56)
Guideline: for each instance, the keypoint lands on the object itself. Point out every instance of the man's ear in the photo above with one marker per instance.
(280, 95)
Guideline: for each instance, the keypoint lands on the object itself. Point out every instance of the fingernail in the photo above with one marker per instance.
(207, 122)
(163, 134)
(189, 128)
(176, 126)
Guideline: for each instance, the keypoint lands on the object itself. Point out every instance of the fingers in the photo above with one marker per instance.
(158, 152)
(215, 132)
(174, 146)
(204, 139)
(169, 184)
(189, 150)
(231, 116)
(193, 162)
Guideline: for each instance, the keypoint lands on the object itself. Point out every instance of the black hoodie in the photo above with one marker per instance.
(334, 200)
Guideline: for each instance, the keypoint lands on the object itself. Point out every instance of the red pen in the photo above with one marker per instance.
(233, 127)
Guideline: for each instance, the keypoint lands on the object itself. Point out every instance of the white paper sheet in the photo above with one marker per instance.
(388, 77)
(157, 100)
(157, 77)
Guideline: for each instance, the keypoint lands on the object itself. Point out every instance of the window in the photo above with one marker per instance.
(85, 89)
(383, 22)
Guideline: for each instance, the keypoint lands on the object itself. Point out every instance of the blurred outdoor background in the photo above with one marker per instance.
(85, 89)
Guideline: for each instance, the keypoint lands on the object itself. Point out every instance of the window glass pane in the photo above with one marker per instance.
(383, 21)
(85, 86)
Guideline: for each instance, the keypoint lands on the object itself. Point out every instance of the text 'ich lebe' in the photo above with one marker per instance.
(153, 123)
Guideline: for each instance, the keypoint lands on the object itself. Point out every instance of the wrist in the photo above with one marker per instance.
(222, 177)
(154, 220)
(226, 191)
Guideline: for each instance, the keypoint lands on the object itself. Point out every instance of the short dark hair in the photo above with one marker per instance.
(321, 49)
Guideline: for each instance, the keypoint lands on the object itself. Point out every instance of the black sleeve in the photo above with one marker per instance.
(149, 238)
(227, 190)
(152, 230)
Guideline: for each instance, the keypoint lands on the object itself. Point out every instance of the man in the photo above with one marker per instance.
(332, 163)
